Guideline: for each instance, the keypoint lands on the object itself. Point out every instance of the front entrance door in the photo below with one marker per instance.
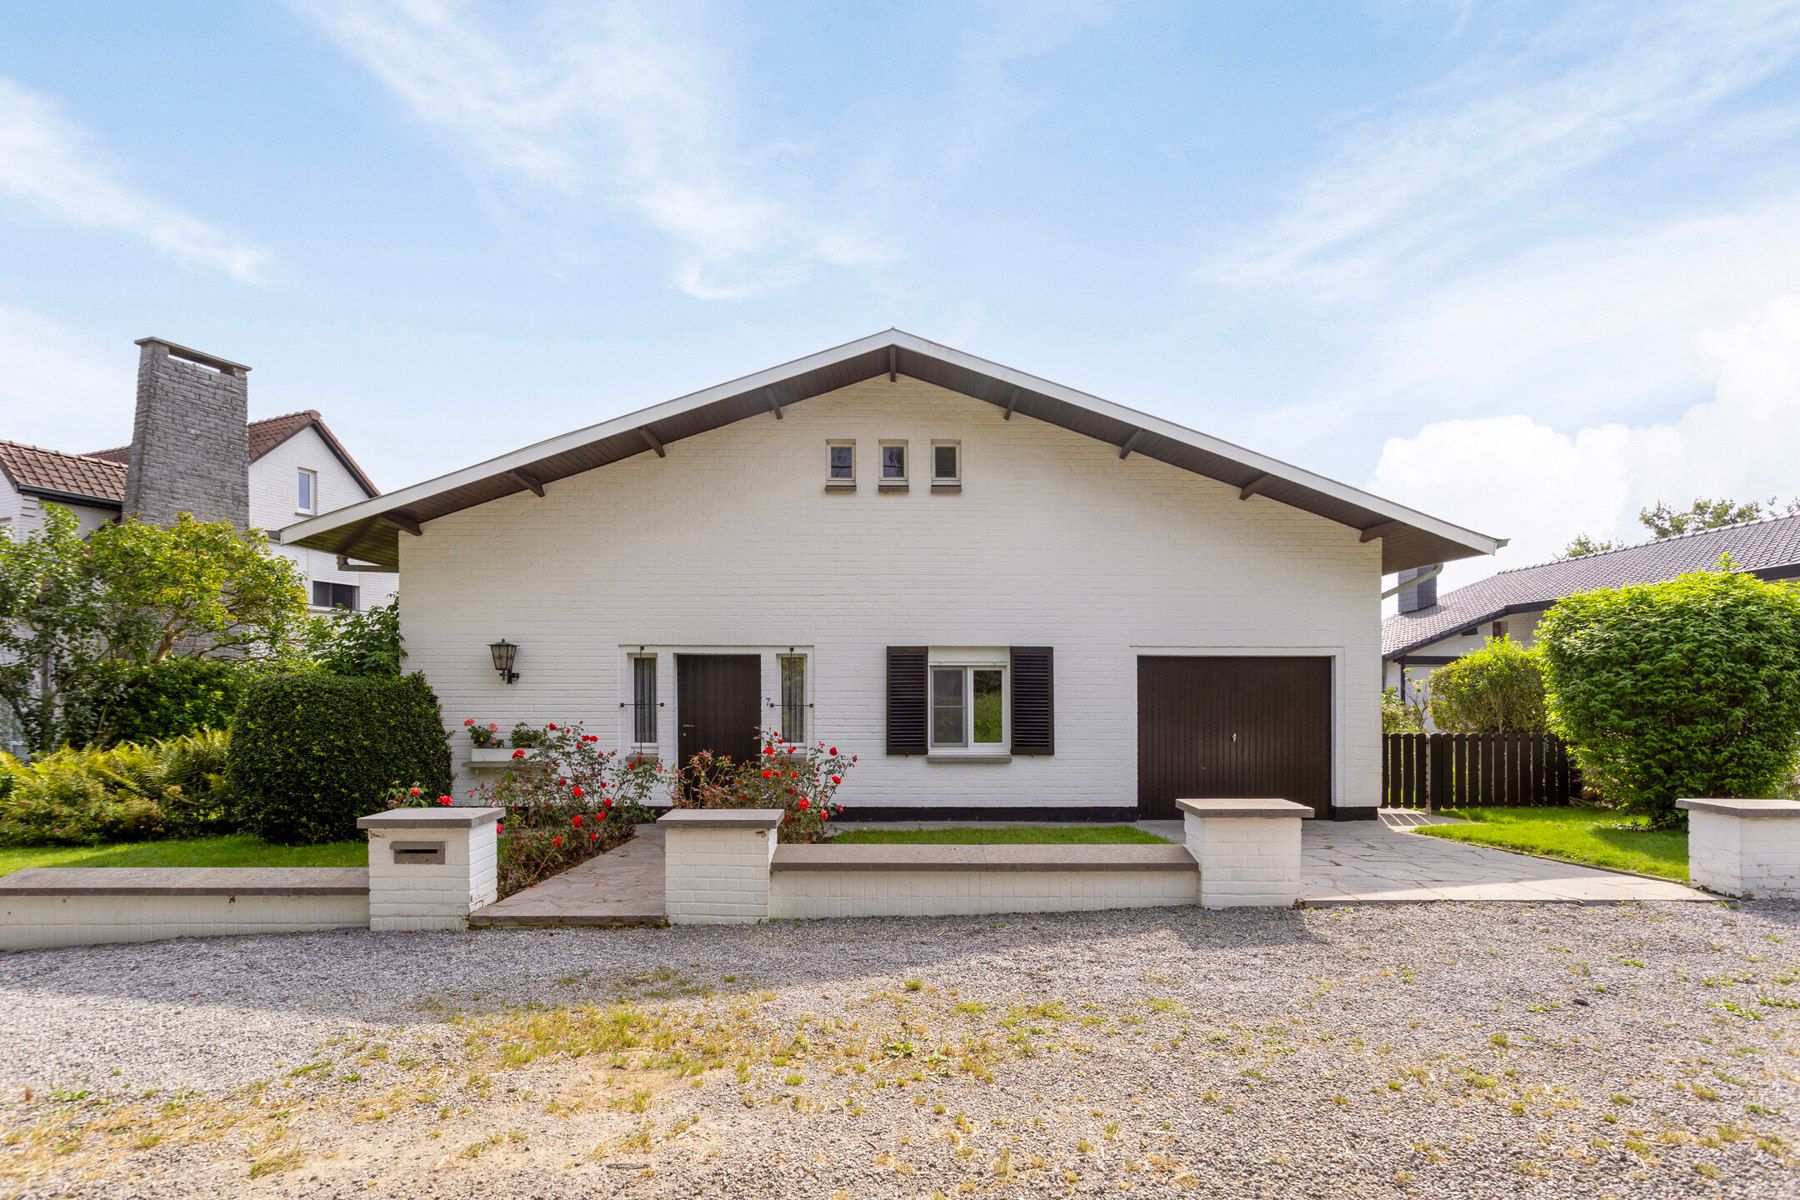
(718, 702)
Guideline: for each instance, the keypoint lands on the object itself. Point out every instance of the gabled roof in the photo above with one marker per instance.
(270, 432)
(51, 473)
(370, 531)
(1769, 548)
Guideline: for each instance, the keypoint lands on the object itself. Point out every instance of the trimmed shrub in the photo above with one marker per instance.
(310, 753)
(175, 788)
(1496, 689)
(147, 702)
(1684, 688)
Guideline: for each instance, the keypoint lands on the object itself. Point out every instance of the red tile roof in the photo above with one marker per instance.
(33, 469)
(264, 436)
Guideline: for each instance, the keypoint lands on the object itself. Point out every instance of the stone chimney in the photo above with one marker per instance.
(189, 449)
(1412, 599)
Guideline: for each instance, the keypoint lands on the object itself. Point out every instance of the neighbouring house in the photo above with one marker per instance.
(1008, 597)
(1431, 630)
(194, 450)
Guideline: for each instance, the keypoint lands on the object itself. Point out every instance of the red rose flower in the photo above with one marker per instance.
(853, 758)
(593, 837)
(834, 751)
(518, 754)
(577, 792)
(766, 774)
(493, 727)
(468, 722)
(768, 749)
(803, 802)
(412, 791)
(499, 828)
(836, 779)
(551, 726)
(606, 802)
(557, 840)
(445, 801)
(575, 820)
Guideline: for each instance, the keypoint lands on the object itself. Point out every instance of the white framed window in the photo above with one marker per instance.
(643, 699)
(333, 595)
(893, 466)
(306, 491)
(969, 702)
(840, 464)
(793, 697)
(946, 466)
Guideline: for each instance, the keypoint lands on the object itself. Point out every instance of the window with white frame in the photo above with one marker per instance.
(306, 491)
(893, 464)
(793, 697)
(840, 464)
(334, 595)
(643, 699)
(946, 466)
(968, 703)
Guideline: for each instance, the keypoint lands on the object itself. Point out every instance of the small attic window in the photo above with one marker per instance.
(306, 491)
(840, 464)
(946, 466)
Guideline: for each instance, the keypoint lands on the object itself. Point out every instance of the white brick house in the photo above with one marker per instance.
(1001, 593)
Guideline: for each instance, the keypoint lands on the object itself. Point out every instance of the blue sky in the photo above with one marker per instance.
(1528, 267)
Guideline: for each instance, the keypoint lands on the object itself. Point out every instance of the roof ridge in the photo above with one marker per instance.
(105, 462)
(311, 413)
(1659, 541)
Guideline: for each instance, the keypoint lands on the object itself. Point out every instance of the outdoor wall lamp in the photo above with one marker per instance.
(504, 653)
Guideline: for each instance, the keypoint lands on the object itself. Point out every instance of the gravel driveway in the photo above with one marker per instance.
(1452, 1050)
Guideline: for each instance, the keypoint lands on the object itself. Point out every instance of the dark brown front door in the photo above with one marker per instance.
(1233, 728)
(718, 701)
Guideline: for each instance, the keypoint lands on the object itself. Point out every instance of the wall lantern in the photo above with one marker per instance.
(504, 653)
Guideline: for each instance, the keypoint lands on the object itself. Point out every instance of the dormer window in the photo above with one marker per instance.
(307, 492)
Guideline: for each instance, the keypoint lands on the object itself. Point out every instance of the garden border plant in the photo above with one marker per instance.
(800, 780)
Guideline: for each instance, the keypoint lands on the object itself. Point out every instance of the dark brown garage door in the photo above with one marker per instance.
(1228, 727)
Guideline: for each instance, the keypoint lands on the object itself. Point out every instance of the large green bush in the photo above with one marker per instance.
(310, 753)
(1684, 688)
(154, 701)
(1496, 689)
(174, 788)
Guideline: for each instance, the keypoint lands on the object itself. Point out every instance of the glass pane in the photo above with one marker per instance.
(643, 700)
(943, 462)
(893, 462)
(947, 706)
(306, 481)
(843, 462)
(989, 713)
(793, 699)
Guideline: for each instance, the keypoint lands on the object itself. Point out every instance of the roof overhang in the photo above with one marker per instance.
(370, 530)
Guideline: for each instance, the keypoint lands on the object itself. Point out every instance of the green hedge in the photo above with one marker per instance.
(310, 753)
(147, 702)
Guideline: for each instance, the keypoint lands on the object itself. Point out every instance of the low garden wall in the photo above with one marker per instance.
(724, 867)
(1744, 848)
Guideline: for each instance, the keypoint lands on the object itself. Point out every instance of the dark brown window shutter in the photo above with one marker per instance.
(906, 712)
(1033, 700)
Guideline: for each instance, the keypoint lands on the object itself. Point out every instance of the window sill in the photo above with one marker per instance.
(894, 485)
(953, 756)
(946, 485)
(840, 485)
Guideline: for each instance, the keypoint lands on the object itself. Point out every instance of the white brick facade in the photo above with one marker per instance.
(413, 895)
(1245, 860)
(274, 493)
(731, 542)
(925, 893)
(34, 922)
(716, 865)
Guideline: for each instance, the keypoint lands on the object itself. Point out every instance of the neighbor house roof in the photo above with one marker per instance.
(370, 530)
(270, 432)
(78, 477)
(1769, 548)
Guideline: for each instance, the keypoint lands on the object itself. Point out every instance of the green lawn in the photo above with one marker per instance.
(233, 850)
(1574, 834)
(1009, 835)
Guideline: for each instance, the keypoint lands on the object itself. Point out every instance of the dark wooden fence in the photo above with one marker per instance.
(1466, 770)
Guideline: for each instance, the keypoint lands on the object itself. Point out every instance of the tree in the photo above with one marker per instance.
(52, 623)
(1584, 545)
(201, 589)
(358, 643)
(1684, 688)
(1664, 521)
(1496, 689)
(1400, 716)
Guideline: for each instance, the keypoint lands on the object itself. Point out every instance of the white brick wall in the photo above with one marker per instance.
(1755, 856)
(716, 876)
(732, 543)
(1246, 860)
(415, 896)
(30, 922)
(925, 893)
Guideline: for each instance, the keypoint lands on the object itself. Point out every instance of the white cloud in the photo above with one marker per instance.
(606, 101)
(1454, 166)
(55, 384)
(46, 168)
(1519, 477)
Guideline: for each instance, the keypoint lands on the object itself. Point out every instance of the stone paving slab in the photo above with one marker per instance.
(624, 886)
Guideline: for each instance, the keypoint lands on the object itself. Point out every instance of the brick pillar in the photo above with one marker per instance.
(1248, 850)
(716, 864)
(1744, 847)
(429, 868)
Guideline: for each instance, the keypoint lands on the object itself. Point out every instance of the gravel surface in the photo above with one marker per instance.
(1432, 1051)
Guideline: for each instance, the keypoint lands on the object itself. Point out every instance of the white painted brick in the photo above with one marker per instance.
(1053, 540)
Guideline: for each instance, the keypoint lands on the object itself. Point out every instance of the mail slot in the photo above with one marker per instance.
(418, 854)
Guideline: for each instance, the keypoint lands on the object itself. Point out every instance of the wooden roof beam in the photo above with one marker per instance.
(893, 366)
(653, 442)
(1254, 486)
(403, 520)
(1012, 402)
(774, 404)
(529, 482)
(1131, 443)
(1381, 530)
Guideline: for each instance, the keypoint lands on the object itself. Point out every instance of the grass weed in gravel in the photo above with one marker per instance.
(1433, 1051)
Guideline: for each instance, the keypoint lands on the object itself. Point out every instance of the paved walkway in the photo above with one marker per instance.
(621, 887)
(1342, 862)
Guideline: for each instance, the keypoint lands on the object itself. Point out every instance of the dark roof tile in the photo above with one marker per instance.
(33, 469)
